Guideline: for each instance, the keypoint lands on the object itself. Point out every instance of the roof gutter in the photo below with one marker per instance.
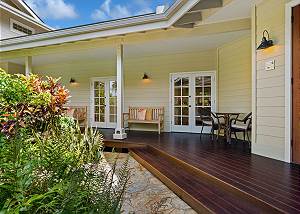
(103, 29)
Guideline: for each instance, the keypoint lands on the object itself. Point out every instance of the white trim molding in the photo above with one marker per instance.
(254, 77)
(288, 77)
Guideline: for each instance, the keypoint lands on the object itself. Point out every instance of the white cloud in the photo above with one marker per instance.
(108, 10)
(53, 9)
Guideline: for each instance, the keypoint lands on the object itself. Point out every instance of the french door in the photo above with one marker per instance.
(190, 93)
(104, 102)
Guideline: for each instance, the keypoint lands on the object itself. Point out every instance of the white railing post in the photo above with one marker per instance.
(120, 131)
(28, 65)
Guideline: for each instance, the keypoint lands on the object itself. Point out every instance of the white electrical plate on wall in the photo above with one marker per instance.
(270, 65)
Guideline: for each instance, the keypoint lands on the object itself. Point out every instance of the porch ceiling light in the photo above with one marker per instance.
(266, 42)
(145, 77)
(72, 81)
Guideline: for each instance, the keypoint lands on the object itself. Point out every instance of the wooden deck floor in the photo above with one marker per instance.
(273, 182)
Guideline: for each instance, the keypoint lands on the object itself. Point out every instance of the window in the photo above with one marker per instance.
(18, 27)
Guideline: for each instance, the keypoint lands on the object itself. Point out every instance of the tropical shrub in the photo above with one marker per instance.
(47, 165)
(29, 102)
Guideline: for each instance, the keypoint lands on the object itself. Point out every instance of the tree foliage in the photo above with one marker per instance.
(47, 165)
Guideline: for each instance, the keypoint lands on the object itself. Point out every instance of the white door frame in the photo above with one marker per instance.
(171, 91)
(107, 124)
(288, 76)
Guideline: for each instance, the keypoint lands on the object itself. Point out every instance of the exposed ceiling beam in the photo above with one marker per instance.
(207, 4)
(191, 25)
(189, 18)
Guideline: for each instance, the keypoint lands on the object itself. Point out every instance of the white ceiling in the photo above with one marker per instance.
(150, 48)
(236, 9)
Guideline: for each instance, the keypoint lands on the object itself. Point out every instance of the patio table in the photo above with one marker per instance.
(227, 116)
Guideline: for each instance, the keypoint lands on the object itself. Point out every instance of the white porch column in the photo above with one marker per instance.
(120, 131)
(28, 65)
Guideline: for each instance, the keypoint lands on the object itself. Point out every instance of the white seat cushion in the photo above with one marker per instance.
(239, 126)
(208, 123)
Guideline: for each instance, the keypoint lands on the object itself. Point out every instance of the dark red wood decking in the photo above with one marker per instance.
(273, 182)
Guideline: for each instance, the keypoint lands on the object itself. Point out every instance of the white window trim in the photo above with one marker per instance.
(12, 21)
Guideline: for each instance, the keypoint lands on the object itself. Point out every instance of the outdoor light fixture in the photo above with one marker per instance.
(265, 42)
(72, 81)
(145, 77)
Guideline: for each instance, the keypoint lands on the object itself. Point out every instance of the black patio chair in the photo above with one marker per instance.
(208, 118)
(243, 126)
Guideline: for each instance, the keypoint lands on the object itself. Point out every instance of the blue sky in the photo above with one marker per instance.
(68, 13)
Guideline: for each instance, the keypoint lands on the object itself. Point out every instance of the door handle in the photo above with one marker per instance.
(190, 106)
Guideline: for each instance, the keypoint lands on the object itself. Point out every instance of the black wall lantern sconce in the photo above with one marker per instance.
(266, 42)
(72, 81)
(145, 77)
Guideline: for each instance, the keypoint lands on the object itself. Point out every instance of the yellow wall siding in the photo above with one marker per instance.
(137, 92)
(12, 68)
(234, 76)
(270, 137)
(4, 66)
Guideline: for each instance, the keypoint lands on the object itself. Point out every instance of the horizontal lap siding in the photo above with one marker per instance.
(234, 76)
(271, 84)
(155, 92)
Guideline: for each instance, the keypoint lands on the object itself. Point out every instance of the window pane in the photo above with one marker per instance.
(177, 101)
(177, 120)
(185, 91)
(207, 81)
(185, 81)
(207, 91)
(113, 110)
(96, 85)
(177, 82)
(199, 101)
(185, 111)
(185, 121)
(102, 118)
(113, 101)
(199, 91)
(207, 101)
(199, 81)
(177, 111)
(96, 118)
(112, 88)
(177, 92)
(102, 109)
(185, 101)
(102, 101)
(200, 111)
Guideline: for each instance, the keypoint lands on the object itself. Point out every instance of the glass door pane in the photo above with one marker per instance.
(112, 101)
(181, 101)
(203, 96)
(99, 101)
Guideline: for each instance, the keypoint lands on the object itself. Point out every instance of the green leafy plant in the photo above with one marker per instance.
(47, 165)
(31, 102)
